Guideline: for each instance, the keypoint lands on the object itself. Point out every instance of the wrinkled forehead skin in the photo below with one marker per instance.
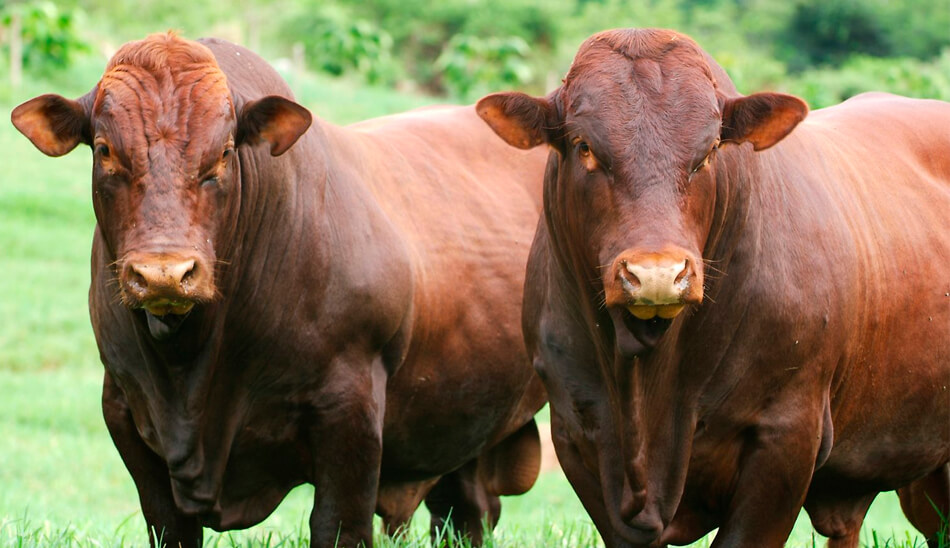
(163, 89)
(644, 98)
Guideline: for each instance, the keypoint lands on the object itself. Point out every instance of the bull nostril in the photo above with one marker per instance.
(683, 274)
(628, 279)
(188, 272)
(135, 279)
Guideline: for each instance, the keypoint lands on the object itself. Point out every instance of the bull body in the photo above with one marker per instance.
(338, 308)
(736, 314)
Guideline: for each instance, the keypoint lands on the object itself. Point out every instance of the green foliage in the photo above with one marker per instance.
(823, 32)
(51, 39)
(471, 66)
(337, 43)
(828, 32)
(825, 86)
(596, 15)
(752, 72)
(359, 46)
(916, 29)
(463, 48)
(115, 22)
(419, 33)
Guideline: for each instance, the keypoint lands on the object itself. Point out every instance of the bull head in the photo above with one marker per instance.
(163, 129)
(634, 192)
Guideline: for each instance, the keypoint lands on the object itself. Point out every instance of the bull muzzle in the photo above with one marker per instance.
(653, 285)
(166, 285)
(644, 291)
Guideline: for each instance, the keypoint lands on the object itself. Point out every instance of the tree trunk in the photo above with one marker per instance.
(16, 50)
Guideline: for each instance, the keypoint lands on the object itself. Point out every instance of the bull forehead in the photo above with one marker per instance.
(655, 107)
(166, 110)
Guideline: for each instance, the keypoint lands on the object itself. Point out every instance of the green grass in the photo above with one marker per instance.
(61, 480)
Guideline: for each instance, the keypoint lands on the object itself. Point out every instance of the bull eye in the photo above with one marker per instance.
(700, 165)
(227, 153)
(706, 159)
(102, 150)
(586, 155)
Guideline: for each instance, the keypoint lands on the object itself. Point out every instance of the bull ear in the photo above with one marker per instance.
(521, 120)
(274, 119)
(763, 119)
(54, 124)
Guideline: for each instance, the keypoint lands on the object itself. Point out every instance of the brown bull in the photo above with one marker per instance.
(734, 319)
(277, 305)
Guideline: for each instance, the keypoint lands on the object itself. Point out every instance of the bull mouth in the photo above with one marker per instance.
(637, 335)
(165, 307)
(649, 311)
(165, 317)
(648, 331)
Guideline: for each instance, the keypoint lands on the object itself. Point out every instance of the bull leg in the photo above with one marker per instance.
(926, 503)
(167, 526)
(774, 474)
(346, 445)
(461, 501)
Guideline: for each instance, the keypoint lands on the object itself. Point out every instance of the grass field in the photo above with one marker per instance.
(61, 480)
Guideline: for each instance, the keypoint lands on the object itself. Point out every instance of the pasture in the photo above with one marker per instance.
(62, 481)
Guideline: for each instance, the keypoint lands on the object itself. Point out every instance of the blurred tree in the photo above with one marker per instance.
(470, 66)
(822, 87)
(917, 28)
(422, 31)
(120, 21)
(827, 32)
(336, 42)
(50, 39)
(466, 47)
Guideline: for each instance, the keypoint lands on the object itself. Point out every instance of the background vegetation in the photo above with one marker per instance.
(823, 50)
(61, 481)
